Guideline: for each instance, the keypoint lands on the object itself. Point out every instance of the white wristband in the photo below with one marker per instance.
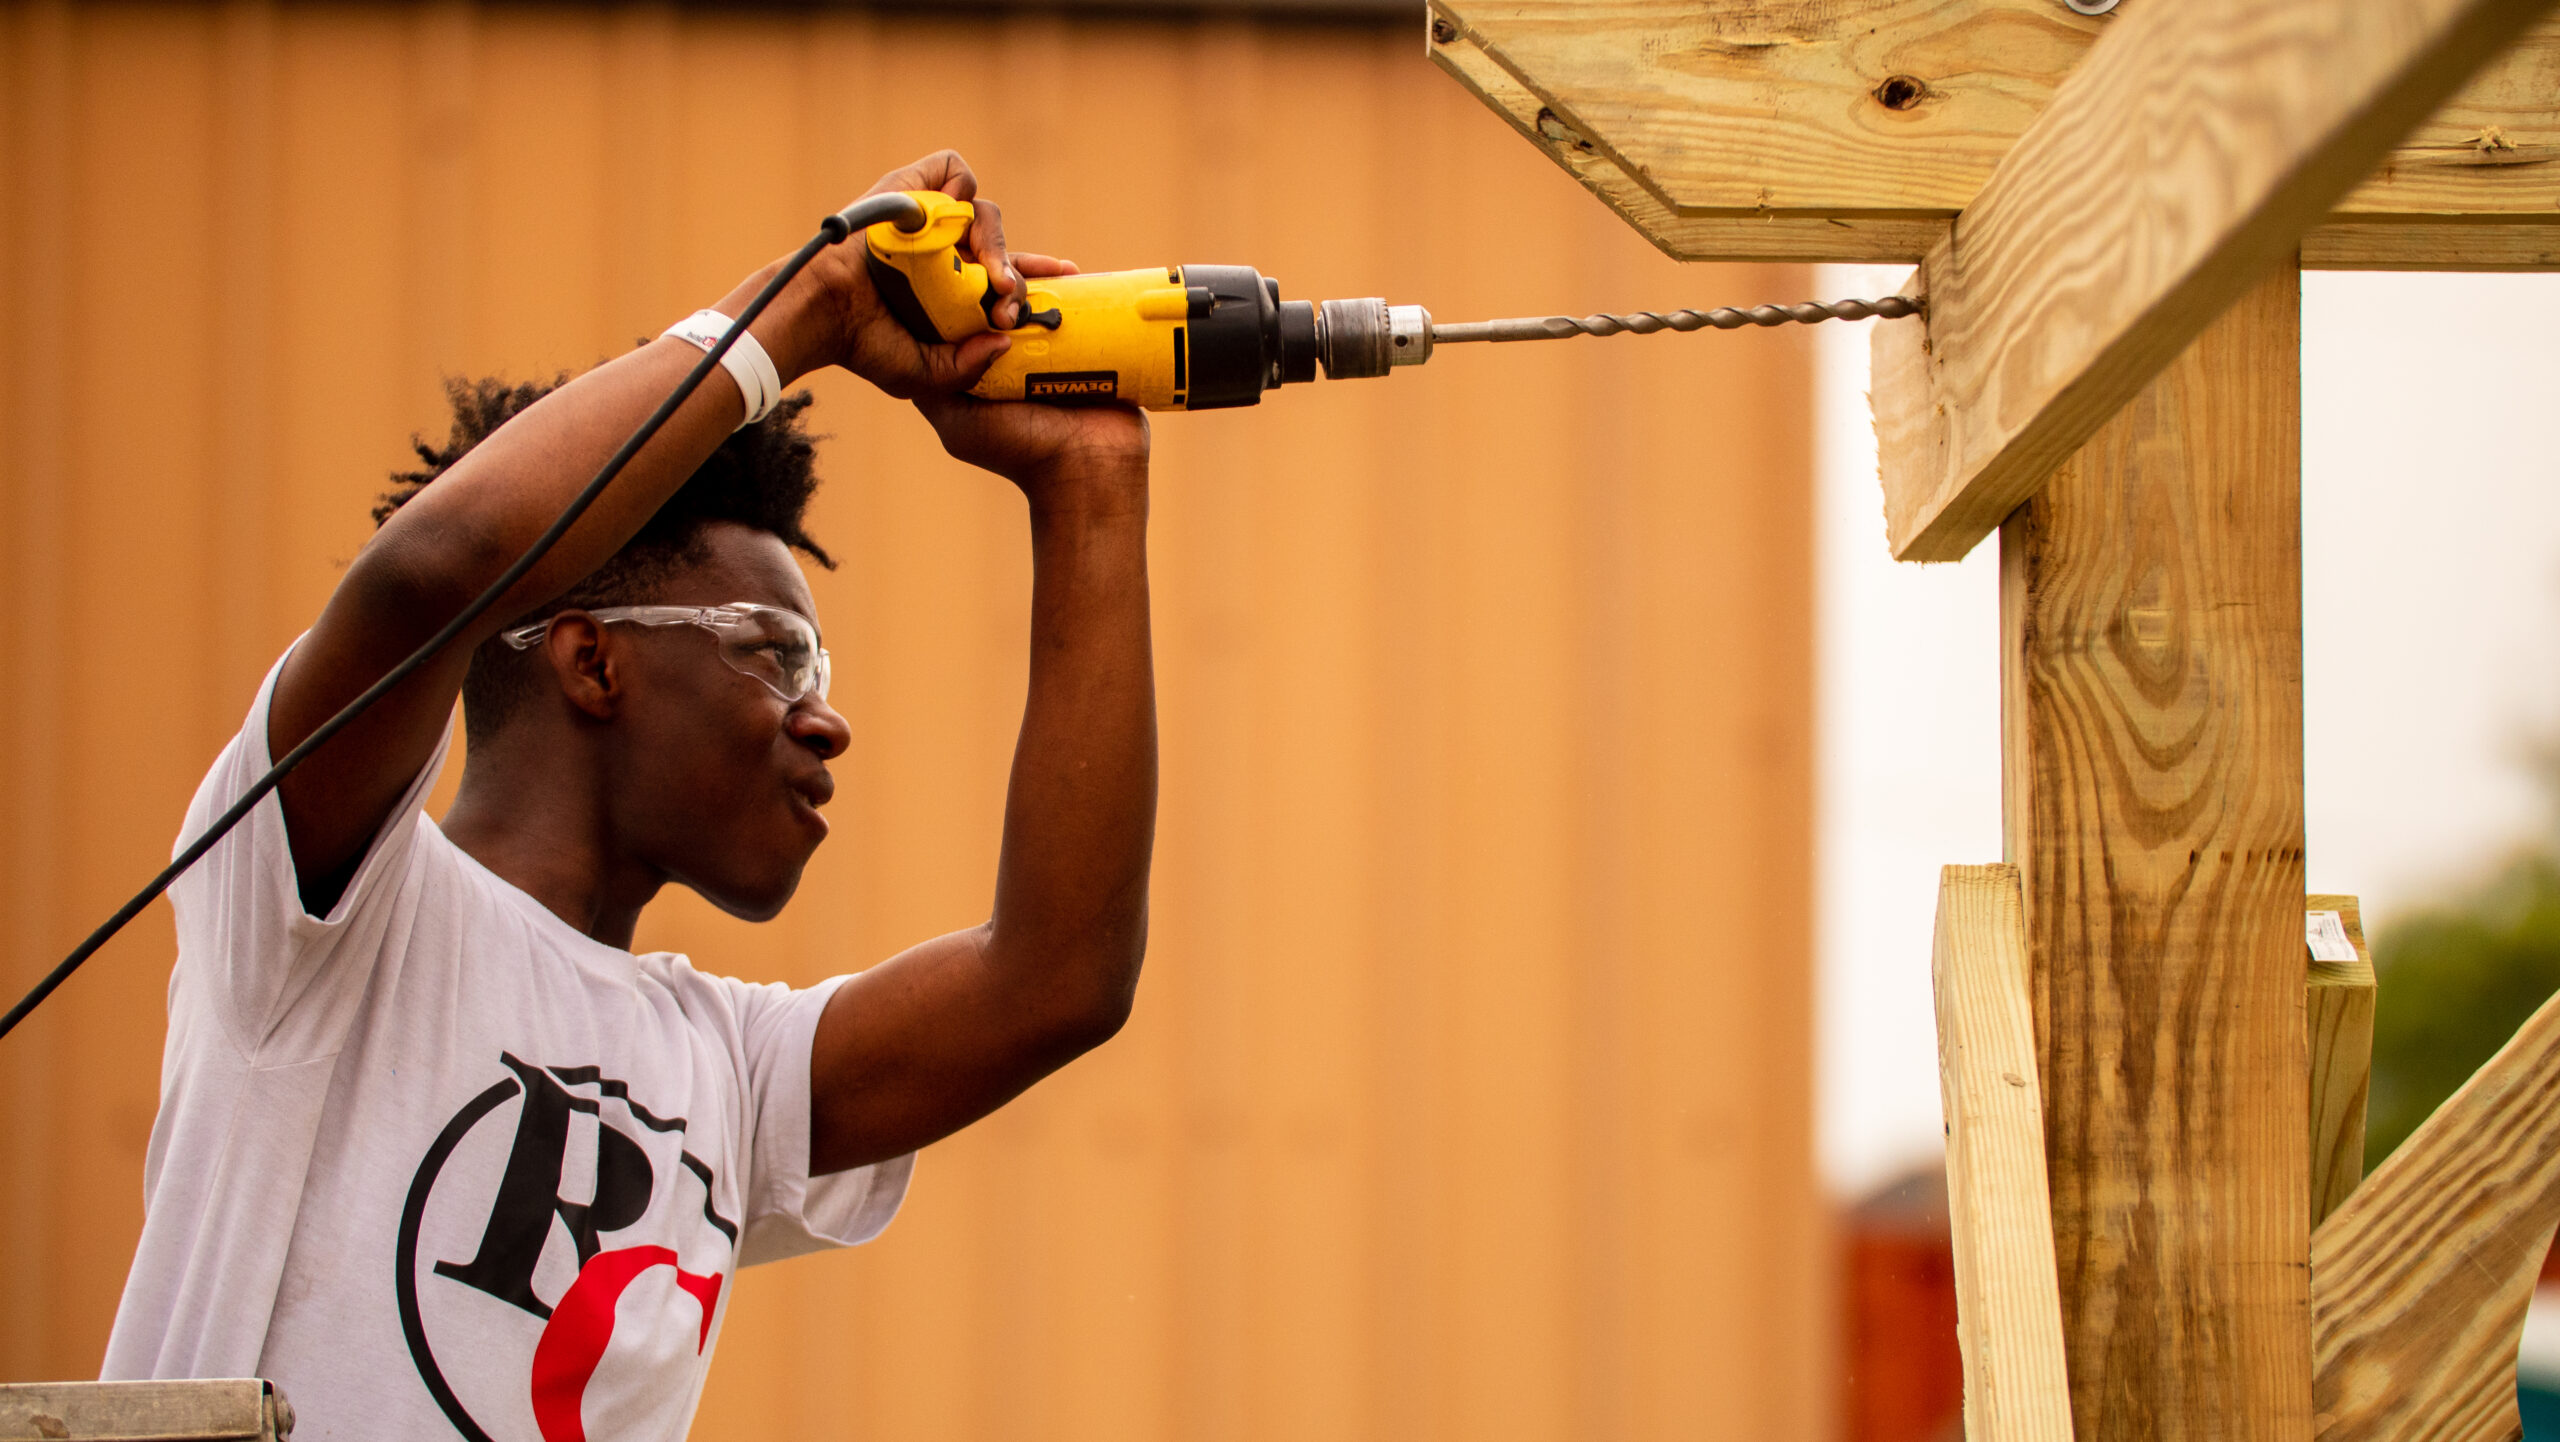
(746, 361)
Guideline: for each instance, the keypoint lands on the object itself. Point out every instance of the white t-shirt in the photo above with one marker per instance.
(438, 1164)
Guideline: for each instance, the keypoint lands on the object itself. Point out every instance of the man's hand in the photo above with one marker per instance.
(1042, 449)
(1056, 454)
(831, 315)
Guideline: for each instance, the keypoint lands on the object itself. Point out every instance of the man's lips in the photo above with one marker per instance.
(810, 792)
(817, 789)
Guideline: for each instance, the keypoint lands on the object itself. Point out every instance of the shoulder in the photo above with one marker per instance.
(752, 1018)
(709, 994)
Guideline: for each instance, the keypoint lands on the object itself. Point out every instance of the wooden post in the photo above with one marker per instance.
(2338, 1023)
(2152, 780)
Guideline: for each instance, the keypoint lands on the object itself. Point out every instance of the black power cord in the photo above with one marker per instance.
(901, 209)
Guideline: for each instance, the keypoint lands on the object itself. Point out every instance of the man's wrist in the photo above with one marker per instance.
(1087, 486)
(798, 330)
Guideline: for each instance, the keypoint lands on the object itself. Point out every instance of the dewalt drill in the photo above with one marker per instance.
(1178, 338)
(1202, 337)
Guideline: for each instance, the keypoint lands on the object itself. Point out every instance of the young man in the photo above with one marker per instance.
(435, 1151)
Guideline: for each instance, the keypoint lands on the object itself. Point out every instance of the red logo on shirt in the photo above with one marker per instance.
(564, 1361)
(504, 1272)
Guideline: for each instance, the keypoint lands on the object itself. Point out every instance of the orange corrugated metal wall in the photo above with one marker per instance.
(1467, 1096)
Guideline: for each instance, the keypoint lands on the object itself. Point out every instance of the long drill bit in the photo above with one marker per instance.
(1646, 322)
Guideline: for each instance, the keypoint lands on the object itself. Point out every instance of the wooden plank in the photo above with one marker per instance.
(2439, 245)
(2419, 1282)
(2338, 1001)
(1740, 107)
(2183, 161)
(1793, 238)
(2008, 1304)
(225, 1409)
(2152, 799)
(1893, 112)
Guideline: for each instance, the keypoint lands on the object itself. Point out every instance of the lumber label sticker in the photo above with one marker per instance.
(2327, 933)
(560, 1260)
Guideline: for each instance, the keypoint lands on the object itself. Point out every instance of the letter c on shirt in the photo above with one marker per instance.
(573, 1343)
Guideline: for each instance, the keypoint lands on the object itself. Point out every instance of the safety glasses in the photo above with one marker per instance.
(778, 647)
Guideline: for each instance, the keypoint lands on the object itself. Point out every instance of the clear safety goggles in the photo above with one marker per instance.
(778, 647)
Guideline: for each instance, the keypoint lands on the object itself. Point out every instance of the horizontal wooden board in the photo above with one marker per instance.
(1682, 237)
(1891, 113)
(2423, 245)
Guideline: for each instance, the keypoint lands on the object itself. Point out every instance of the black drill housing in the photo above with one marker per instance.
(1246, 340)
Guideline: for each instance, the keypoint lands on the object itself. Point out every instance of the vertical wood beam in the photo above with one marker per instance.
(2008, 1313)
(2152, 799)
(2338, 1022)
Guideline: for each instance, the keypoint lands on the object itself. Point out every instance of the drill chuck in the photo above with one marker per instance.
(1360, 338)
(1242, 339)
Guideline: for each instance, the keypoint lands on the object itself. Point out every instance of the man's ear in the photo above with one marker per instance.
(584, 664)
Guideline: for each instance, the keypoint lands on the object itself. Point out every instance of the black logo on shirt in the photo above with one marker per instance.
(585, 1162)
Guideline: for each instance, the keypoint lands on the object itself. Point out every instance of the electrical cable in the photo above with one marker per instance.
(862, 214)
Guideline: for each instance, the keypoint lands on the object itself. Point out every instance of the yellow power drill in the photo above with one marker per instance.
(1202, 337)
(1175, 338)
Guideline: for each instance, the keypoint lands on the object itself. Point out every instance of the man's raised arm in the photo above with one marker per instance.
(938, 1036)
(441, 550)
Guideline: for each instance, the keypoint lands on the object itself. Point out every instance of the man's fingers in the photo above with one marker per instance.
(956, 368)
(942, 369)
(943, 170)
(950, 174)
(1040, 266)
(986, 233)
(986, 242)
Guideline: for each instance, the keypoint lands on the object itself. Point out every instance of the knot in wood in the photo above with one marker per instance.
(1559, 132)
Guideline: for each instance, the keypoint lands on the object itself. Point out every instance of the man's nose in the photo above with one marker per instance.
(820, 727)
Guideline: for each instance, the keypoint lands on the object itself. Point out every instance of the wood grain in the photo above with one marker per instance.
(217, 1409)
(1719, 237)
(2338, 999)
(2419, 1282)
(2181, 162)
(2008, 1306)
(2432, 245)
(2152, 799)
(1746, 110)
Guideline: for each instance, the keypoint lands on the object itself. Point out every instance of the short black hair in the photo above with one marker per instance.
(762, 476)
